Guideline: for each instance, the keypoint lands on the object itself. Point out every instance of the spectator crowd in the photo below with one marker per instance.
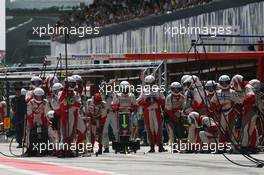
(103, 12)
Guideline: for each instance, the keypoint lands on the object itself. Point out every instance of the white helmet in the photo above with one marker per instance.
(70, 79)
(23, 91)
(124, 84)
(176, 88)
(184, 77)
(256, 84)
(71, 82)
(192, 118)
(50, 80)
(50, 114)
(224, 82)
(38, 94)
(237, 82)
(149, 79)
(57, 87)
(196, 81)
(35, 78)
(36, 81)
(192, 81)
(77, 78)
(207, 121)
(124, 87)
(210, 86)
(187, 83)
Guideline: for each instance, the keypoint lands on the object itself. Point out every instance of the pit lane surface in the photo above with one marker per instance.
(132, 164)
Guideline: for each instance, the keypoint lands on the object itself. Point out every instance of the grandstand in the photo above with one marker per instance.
(146, 35)
(101, 13)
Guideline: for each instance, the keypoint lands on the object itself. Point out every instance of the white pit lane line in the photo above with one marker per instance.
(19, 25)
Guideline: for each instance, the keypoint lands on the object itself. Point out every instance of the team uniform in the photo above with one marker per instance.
(35, 83)
(70, 121)
(81, 94)
(111, 121)
(239, 85)
(209, 133)
(249, 132)
(96, 112)
(49, 81)
(210, 89)
(151, 100)
(124, 103)
(194, 96)
(260, 106)
(54, 114)
(195, 122)
(37, 110)
(173, 107)
(3, 113)
(223, 102)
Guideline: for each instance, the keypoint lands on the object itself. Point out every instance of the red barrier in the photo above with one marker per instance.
(203, 56)
(258, 56)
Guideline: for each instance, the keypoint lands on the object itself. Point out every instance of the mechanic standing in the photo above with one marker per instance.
(19, 108)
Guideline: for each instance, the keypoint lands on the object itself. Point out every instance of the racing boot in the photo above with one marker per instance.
(100, 150)
(162, 149)
(152, 149)
(70, 153)
(106, 150)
